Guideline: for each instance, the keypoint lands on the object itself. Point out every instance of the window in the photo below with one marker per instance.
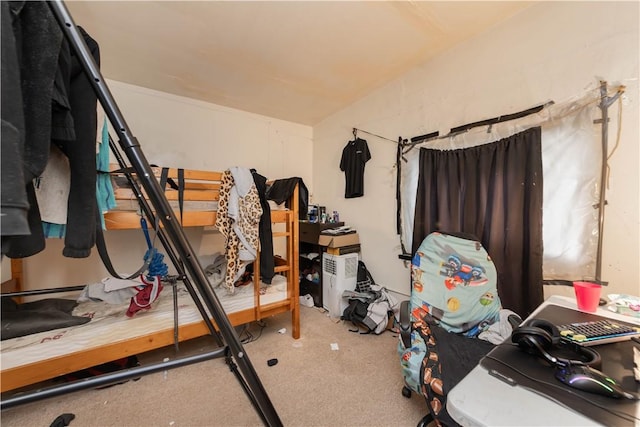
(571, 156)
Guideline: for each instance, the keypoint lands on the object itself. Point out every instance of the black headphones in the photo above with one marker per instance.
(538, 336)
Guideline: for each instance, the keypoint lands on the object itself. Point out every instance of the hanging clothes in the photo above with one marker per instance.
(281, 190)
(104, 189)
(31, 42)
(354, 157)
(81, 151)
(238, 219)
(267, 263)
(52, 187)
(58, 107)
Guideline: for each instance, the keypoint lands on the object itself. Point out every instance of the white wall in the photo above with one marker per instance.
(181, 132)
(553, 50)
(173, 130)
(550, 51)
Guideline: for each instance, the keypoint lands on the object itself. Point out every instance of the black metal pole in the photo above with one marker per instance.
(148, 212)
(605, 103)
(173, 229)
(106, 379)
(43, 291)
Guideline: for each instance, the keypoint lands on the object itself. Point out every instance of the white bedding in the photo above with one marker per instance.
(110, 325)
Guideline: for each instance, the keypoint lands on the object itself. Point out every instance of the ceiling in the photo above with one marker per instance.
(299, 61)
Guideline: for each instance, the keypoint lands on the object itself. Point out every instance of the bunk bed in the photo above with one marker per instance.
(81, 60)
(110, 335)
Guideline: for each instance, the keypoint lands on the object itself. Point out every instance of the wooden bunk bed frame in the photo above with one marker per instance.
(199, 186)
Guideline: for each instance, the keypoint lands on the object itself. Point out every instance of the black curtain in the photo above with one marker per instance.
(493, 191)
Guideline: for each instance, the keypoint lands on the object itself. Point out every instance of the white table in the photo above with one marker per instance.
(483, 400)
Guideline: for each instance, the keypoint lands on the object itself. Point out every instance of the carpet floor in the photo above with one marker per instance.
(328, 377)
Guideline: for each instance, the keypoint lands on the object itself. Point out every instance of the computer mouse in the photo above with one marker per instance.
(587, 379)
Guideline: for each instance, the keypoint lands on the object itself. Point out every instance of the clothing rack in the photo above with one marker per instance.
(356, 130)
(233, 352)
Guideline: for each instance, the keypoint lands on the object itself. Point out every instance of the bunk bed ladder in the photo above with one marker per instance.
(289, 269)
(234, 353)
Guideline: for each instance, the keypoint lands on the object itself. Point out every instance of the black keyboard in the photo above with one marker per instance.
(597, 332)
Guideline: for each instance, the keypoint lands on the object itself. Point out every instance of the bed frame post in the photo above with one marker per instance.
(129, 144)
(294, 241)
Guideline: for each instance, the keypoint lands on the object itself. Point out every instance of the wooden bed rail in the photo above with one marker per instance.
(200, 195)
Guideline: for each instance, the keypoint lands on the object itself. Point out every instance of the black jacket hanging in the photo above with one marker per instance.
(59, 106)
(267, 263)
(282, 189)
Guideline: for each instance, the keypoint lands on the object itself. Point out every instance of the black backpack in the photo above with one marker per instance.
(358, 308)
(356, 313)
(365, 313)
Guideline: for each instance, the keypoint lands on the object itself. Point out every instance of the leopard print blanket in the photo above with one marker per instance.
(238, 220)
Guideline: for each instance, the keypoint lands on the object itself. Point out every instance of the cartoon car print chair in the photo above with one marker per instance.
(454, 298)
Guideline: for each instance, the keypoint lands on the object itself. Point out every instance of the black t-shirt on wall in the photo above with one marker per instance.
(354, 156)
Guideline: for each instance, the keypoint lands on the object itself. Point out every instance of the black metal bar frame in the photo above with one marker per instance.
(605, 103)
(107, 379)
(234, 351)
(148, 212)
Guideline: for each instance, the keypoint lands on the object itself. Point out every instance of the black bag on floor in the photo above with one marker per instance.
(356, 313)
(364, 279)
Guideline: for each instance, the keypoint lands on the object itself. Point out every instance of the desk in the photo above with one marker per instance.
(481, 399)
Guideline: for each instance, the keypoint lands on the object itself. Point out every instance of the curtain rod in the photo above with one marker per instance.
(425, 137)
(500, 119)
(459, 129)
(417, 140)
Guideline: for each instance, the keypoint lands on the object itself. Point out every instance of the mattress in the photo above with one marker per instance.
(126, 200)
(132, 204)
(110, 325)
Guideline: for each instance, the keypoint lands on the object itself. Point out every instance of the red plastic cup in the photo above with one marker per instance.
(587, 295)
